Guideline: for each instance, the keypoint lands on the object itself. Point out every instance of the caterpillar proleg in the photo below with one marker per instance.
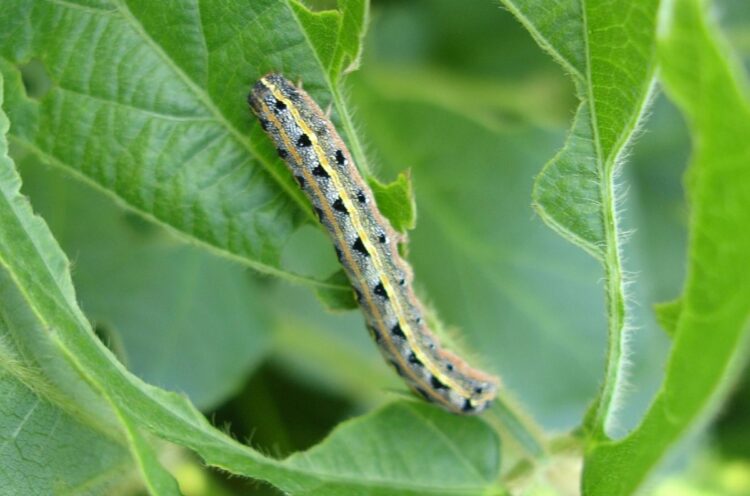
(366, 245)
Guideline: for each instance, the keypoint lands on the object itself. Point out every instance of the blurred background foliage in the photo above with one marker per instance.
(458, 93)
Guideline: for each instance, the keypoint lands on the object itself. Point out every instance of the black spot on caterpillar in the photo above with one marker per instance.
(436, 383)
(413, 359)
(340, 157)
(319, 171)
(396, 331)
(360, 246)
(339, 206)
(313, 150)
(380, 290)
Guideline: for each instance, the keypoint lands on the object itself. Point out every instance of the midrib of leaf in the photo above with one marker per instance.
(615, 297)
(607, 246)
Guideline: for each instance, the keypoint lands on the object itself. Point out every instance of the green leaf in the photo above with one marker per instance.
(609, 50)
(152, 296)
(336, 34)
(396, 201)
(148, 102)
(711, 335)
(384, 454)
(64, 452)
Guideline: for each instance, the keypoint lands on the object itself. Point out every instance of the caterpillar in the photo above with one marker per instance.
(366, 246)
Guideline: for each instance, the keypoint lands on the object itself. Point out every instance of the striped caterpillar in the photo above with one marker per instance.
(366, 245)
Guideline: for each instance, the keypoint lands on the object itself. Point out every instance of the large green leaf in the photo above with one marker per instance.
(710, 334)
(609, 50)
(147, 101)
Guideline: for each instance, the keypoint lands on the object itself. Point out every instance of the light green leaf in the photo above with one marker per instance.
(609, 49)
(711, 335)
